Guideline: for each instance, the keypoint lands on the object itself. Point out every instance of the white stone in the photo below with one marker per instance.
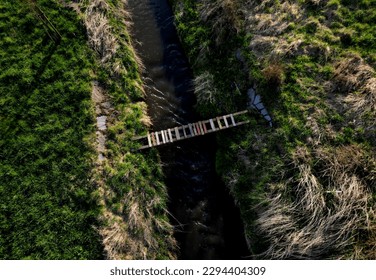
(101, 122)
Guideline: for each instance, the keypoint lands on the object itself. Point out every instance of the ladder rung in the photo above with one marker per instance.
(212, 124)
(191, 130)
(219, 122)
(203, 127)
(195, 132)
(169, 132)
(157, 137)
(149, 140)
(233, 120)
(225, 119)
(177, 133)
(198, 129)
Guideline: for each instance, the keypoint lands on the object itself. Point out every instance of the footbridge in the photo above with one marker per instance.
(178, 133)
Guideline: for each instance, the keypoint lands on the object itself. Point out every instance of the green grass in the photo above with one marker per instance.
(302, 92)
(47, 206)
(134, 217)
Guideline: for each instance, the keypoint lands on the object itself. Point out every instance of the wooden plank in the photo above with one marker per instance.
(219, 122)
(149, 140)
(177, 133)
(190, 129)
(194, 129)
(212, 125)
(233, 120)
(138, 138)
(167, 136)
(204, 127)
(157, 136)
(198, 129)
(201, 128)
(244, 122)
(169, 132)
(240, 113)
(163, 137)
(225, 119)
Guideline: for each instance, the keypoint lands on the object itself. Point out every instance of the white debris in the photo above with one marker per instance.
(101, 157)
(101, 123)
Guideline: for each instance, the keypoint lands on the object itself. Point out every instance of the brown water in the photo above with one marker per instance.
(208, 225)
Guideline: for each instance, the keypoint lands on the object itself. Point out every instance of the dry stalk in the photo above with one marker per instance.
(205, 89)
(130, 229)
(222, 15)
(318, 221)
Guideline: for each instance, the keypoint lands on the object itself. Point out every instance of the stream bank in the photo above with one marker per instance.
(207, 223)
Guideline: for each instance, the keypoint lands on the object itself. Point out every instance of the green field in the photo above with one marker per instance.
(48, 209)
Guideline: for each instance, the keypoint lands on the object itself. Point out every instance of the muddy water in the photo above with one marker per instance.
(208, 225)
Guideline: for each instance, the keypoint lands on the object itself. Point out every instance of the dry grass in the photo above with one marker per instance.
(205, 89)
(355, 81)
(273, 23)
(269, 26)
(270, 23)
(326, 209)
(131, 228)
(353, 74)
(101, 37)
(130, 232)
(319, 214)
(222, 15)
(145, 119)
(273, 74)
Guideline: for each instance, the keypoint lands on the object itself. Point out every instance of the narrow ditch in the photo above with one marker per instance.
(208, 224)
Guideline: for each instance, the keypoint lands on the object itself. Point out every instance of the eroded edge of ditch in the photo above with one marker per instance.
(134, 222)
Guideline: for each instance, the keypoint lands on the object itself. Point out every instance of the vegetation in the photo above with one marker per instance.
(62, 64)
(306, 186)
(47, 206)
(134, 223)
(71, 190)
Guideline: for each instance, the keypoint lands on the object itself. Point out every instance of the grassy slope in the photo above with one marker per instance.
(133, 196)
(57, 202)
(47, 210)
(323, 137)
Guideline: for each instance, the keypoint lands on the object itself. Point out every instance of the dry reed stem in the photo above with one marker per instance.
(222, 15)
(205, 89)
(357, 80)
(131, 230)
(320, 220)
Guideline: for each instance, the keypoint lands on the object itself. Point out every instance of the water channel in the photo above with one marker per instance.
(208, 225)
